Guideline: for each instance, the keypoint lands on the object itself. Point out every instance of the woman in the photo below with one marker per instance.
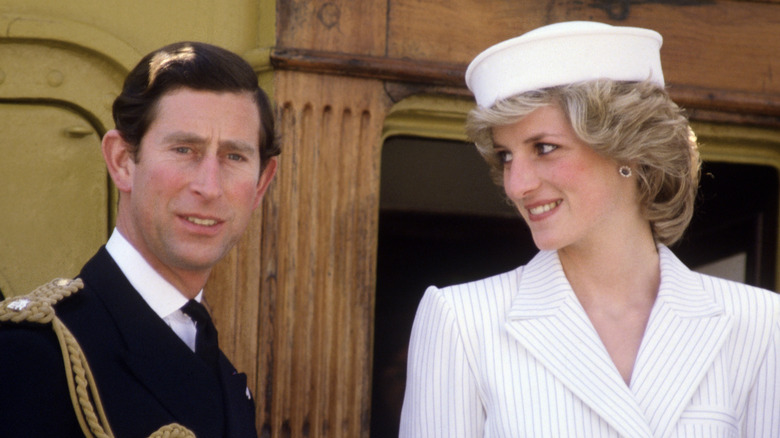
(604, 333)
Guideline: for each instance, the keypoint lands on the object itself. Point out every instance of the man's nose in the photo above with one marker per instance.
(207, 180)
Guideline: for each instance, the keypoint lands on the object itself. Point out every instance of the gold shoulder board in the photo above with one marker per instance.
(37, 305)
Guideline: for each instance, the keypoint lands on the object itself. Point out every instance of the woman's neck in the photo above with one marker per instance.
(617, 286)
(620, 270)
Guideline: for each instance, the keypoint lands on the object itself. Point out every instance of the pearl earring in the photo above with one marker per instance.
(625, 171)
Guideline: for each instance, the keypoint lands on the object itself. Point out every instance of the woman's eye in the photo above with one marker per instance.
(545, 148)
(504, 156)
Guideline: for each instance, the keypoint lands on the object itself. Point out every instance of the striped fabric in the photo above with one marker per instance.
(516, 356)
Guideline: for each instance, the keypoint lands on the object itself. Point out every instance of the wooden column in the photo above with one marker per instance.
(303, 330)
(319, 253)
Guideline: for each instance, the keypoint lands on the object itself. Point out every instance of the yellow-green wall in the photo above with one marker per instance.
(61, 65)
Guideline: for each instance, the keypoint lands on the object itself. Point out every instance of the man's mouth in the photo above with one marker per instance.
(544, 208)
(202, 222)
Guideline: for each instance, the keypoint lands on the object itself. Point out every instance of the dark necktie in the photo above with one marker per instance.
(206, 346)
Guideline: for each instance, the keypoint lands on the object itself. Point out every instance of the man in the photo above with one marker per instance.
(192, 154)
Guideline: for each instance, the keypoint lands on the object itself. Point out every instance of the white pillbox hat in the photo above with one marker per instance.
(564, 53)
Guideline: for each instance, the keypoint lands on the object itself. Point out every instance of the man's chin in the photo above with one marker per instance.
(198, 261)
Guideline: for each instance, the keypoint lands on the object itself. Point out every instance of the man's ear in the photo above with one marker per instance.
(265, 180)
(119, 161)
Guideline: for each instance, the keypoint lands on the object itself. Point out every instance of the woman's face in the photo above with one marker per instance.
(567, 193)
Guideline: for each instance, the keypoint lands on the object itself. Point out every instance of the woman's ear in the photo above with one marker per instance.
(119, 160)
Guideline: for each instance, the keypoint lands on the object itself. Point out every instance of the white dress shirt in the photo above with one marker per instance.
(515, 355)
(159, 294)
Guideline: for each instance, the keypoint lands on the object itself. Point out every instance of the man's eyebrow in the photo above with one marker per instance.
(192, 138)
(239, 146)
(183, 137)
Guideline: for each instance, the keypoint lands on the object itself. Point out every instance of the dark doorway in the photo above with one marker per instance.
(442, 222)
(733, 233)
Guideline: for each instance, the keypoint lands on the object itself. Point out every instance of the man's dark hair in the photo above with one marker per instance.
(194, 65)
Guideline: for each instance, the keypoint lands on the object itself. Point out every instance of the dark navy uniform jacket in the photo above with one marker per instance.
(146, 376)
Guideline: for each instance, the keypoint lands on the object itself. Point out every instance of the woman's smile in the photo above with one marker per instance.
(544, 208)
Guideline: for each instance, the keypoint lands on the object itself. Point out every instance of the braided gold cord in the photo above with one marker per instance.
(173, 431)
(83, 391)
(37, 307)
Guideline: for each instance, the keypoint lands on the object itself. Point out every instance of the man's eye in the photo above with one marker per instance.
(545, 148)
(504, 156)
(182, 149)
(236, 157)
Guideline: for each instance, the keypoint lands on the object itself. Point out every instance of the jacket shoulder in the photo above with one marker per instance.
(493, 295)
(751, 308)
(38, 305)
(735, 295)
(32, 362)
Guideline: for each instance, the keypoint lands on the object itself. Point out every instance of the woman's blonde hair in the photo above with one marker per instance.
(633, 123)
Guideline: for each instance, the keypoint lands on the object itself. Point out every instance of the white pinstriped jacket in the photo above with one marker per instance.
(515, 355)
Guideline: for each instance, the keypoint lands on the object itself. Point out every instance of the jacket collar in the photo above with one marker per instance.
(548, 320)
(187, 388)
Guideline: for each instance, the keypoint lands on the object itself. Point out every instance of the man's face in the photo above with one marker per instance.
(193, 187)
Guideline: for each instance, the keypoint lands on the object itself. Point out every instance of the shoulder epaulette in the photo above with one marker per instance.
(37, 306)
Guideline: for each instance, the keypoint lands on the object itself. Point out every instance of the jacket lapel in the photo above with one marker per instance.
(154, 354)
(685, 333)
(548, 320)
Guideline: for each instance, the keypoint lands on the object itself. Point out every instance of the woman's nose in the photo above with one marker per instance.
(520, 178)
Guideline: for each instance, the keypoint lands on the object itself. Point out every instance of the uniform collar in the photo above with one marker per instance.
(158, 293)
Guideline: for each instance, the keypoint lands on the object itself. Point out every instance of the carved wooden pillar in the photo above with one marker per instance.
(319, 252)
